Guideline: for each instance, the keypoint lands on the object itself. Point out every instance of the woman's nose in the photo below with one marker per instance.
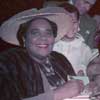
(44, 37)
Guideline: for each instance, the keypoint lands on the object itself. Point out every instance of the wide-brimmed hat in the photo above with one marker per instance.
(9, 29)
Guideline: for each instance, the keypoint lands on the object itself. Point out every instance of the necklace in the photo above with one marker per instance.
(54, 78)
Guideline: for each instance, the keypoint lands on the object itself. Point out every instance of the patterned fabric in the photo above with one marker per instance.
(77, 52)
(53, 77)
(20, 75)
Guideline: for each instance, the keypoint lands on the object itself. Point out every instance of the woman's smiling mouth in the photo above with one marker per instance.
(42, 45)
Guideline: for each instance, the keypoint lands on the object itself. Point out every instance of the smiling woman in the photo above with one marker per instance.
(35, 71)
(39, 37)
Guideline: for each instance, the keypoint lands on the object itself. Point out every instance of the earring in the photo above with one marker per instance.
(23, 42)
(78, 29)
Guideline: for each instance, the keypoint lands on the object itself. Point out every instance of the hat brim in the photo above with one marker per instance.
(8, 31)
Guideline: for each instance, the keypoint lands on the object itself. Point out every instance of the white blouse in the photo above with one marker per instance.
(77, 52)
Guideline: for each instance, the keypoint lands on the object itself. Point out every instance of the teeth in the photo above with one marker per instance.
(42, 45)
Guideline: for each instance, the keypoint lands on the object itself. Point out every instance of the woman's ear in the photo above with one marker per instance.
(23, 38)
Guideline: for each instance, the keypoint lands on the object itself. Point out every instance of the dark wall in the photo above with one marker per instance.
(95, 9)
(11, 7)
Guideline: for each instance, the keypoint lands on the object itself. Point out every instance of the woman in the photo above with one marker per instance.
(35, 72)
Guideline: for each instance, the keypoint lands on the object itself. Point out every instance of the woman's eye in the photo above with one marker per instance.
(34, 33)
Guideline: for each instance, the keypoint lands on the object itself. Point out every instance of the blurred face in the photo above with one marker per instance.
(93, 73)
(39, 39)
(83, 6)
(74, 29)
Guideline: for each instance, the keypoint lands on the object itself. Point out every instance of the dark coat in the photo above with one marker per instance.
(20, 76)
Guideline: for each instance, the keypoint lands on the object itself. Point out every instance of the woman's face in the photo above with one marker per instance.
(93, 72)
(39, 39)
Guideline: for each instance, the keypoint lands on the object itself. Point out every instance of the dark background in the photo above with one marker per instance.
(11, 7)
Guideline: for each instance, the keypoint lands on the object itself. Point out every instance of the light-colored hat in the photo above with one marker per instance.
(90, 1)
(9, 29)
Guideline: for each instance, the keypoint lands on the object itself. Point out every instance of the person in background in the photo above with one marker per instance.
(93, 71)
(72, 45)
(87, 23)
(35, 72)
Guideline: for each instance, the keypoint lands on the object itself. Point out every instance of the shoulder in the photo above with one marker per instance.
(59, 58)
(81, 41)
(12, 59)
(59, 46)
(57, 55)
(63, 62)
(59, 43)
(12, 54)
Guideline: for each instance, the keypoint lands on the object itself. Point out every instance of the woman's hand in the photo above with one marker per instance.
(70, 89)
